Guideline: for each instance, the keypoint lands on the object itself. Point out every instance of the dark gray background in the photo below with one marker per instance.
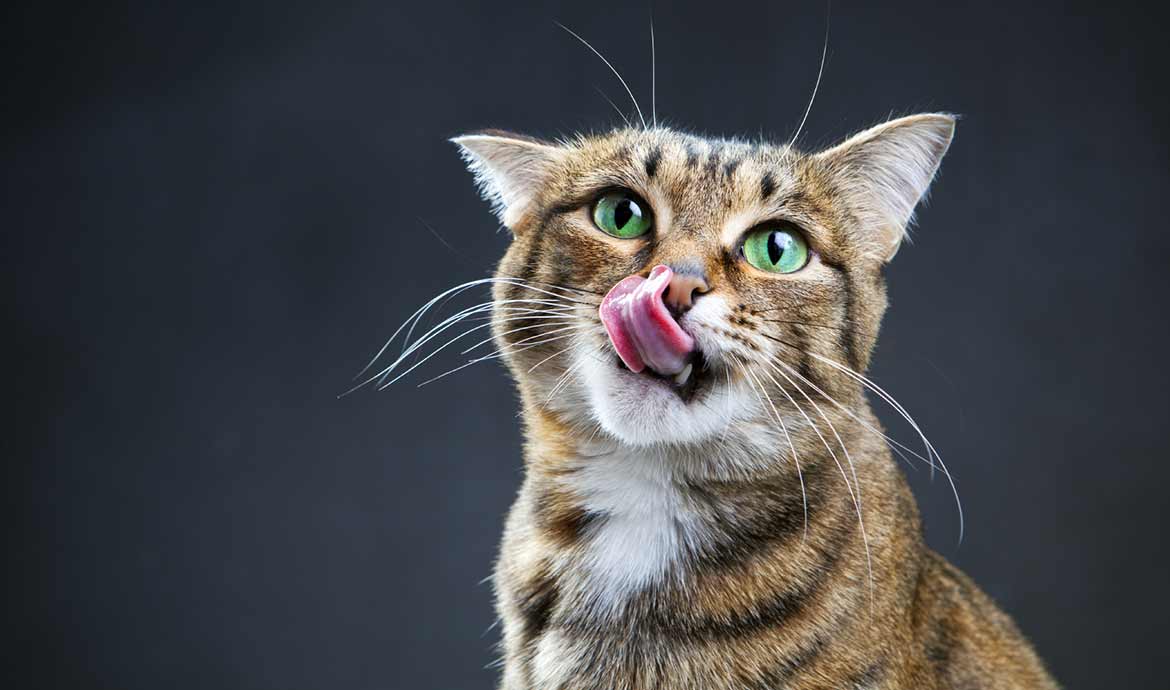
(212, 216)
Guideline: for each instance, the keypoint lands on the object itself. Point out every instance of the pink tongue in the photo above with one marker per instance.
(640, 326)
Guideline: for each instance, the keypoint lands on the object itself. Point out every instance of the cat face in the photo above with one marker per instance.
(746, 274)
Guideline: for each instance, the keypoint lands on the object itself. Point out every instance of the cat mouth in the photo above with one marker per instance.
(646, 335)
(687, 384)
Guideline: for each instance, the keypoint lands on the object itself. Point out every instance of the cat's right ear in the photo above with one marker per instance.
(510, 170)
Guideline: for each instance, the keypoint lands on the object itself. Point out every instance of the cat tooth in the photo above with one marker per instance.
(683, 375)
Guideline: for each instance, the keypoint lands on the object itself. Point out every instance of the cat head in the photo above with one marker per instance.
(661, 286)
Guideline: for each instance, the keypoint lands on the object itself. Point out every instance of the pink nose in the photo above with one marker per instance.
(681, 292)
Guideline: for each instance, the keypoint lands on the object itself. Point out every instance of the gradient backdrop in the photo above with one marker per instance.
(213, 214)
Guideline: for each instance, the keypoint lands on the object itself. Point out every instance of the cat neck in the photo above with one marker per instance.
(617, 521)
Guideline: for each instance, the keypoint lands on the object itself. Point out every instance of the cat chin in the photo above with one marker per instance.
(641, 411)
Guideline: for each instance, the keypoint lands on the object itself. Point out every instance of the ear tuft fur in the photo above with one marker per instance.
(509, 169)
(886, 170)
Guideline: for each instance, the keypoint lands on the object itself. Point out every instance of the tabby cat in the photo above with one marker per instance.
(709, 502)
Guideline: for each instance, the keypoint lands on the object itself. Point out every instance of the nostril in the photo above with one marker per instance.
(682, 292)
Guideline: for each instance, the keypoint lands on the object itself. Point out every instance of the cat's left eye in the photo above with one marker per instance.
(776, 249)
(622, 214)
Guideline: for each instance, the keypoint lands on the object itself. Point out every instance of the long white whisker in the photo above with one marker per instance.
(853, 495)
(564, 379)
(384, 374)
(560, 300)
(413, 319)
(477, 360)
(413, 347)
(553, 286)
(653, 75)
(614, 105)
(820, 73)
(759, 387)
(895, 445)
(558, 353)
(556, 320)
(416, 365)
(865, 381)
(486, 307)
(418, 313)
(410, 347)
(502, 352)
(611, 68)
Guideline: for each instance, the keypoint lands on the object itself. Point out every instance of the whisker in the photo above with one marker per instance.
(494, 355)
(855, 495)
(596, 353)
(806, 323)
(616, 109)
(556, 320)
(930, 451)
(558, 353)
(486, 307)
(889, 399)
(413, 320)
(820, 73)
(558, 286)
(653, 75)
(418, 313)
(382, 386)
(759, 388)
(894, 444)
(906, 415)
(501, 352)
(564, 378)
(559, 300)
(611, 68)
(430, 335)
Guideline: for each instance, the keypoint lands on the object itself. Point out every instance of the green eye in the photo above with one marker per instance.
(776, 250)
(621, 214)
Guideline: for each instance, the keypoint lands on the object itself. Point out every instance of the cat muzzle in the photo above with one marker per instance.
(643, 329)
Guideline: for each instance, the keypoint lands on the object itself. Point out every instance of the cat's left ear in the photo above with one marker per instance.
(510, 169)
(885, 171)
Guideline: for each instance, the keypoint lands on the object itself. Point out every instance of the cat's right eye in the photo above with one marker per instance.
(776, 249)
(622, 215)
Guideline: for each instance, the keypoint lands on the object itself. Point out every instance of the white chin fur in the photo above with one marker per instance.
(640, 411)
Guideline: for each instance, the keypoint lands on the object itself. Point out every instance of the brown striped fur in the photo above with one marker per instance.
(662, 544)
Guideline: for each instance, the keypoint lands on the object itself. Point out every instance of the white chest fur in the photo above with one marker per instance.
(647, 526)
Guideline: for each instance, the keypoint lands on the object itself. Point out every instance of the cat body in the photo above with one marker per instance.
(734, 518)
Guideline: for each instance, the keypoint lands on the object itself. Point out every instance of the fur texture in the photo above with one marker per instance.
(756, 534)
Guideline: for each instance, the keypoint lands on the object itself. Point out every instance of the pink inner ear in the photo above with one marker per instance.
(641, 328)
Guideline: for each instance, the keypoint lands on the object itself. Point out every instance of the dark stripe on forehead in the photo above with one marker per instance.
(730, 166)
(767, 186)
(692, 156)
(713, 161)
(622, 155)
(652, 162)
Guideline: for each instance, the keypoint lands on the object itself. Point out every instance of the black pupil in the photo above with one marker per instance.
(623, 212)
(775, 249)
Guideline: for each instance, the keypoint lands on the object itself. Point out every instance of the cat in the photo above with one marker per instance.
(709, 501)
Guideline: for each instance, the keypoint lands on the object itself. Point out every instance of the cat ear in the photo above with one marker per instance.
(510, 169)
(885, 171)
